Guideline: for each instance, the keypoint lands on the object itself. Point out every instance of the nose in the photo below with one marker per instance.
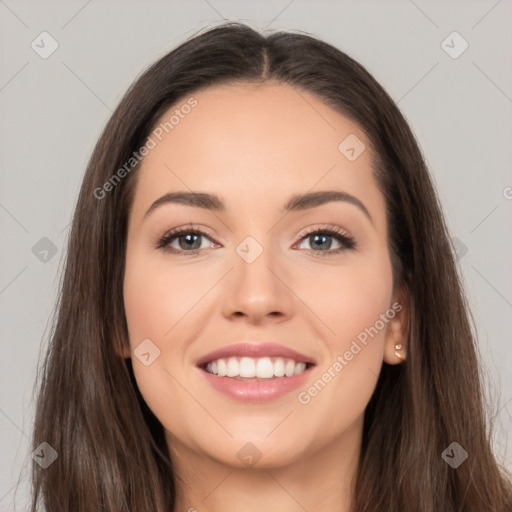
(258, 292)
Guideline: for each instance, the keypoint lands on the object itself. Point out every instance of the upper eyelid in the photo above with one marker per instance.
(324, 227)
(304, 232)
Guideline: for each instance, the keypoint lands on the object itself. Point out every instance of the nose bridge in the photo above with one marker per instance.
(255, 289)
(253, 262)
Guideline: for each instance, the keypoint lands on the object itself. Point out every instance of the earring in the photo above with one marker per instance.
(397, 354)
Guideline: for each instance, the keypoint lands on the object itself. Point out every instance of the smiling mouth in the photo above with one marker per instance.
(255, 369)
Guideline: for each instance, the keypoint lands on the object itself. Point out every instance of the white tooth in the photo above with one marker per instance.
(289, 368)
(221, 368)
(232, 369)
(264, 368)
(279, 367)
(299, 368)
(247, 367)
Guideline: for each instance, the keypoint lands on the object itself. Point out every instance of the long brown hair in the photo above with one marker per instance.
(111, 449)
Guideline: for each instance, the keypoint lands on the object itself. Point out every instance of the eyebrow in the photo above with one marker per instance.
(296, 203)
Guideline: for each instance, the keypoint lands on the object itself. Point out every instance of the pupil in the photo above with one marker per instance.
(188, 237)
(321, 236)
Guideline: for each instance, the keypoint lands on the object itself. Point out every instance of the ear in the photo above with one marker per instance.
(397, 334)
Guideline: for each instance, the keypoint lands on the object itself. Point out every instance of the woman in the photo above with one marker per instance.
(313, 348)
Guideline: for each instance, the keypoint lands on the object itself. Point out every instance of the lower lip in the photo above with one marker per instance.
(256, 390)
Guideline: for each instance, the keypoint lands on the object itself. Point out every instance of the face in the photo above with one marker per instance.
(314, 278)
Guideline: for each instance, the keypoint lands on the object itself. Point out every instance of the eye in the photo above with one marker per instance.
(321, 240)
(183, 240)
(188, 240)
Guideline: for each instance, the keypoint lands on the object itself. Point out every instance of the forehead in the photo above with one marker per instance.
(255, 143)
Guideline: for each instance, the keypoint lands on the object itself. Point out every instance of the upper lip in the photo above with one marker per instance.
(256, 350)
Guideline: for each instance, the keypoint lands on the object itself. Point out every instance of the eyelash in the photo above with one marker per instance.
(333, 231)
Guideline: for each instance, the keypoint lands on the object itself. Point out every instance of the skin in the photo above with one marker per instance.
(255, 147)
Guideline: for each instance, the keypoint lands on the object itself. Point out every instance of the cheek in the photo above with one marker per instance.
(157, 303)
(358, 313)
(157, 298)
(351, 298)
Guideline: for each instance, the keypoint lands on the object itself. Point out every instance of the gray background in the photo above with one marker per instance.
(53, 110)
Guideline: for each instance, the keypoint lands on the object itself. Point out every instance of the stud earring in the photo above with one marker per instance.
(397, 354)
